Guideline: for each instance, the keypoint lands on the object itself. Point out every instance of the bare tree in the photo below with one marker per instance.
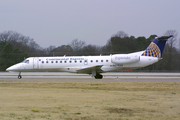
(77, 45)
(91, 50)
(170, 49)
(62, 50)
(178, 45)
(20, 41)
(173, 40)
(49, 50)
(120, 34)
(107, 49)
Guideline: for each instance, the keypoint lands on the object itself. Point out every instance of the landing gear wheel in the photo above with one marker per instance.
(99, 76)
(19, 76)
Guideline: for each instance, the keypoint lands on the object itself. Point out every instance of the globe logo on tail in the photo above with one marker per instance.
(152, 51)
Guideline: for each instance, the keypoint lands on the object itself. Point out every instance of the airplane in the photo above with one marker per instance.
(94, 65)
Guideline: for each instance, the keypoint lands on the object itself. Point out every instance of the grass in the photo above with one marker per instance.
(35, 110)
(89, 100)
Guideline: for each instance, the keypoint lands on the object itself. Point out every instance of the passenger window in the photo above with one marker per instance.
(64, 61)
(80, 61)
(69, 61)
(56, 61)
(91, 60)
(42, 61)
(75, 61)
(101, 60)
(96, 60)
(51, 61)
(60, 61)
(106, 60)
(46, 61)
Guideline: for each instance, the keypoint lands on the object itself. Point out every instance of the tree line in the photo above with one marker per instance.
(15, 47)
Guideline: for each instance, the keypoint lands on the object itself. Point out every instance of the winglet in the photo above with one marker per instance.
(155, 49)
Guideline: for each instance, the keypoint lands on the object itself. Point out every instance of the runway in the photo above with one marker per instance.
(115, 76)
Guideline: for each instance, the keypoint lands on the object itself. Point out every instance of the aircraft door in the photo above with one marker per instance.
(86, 62)
(35, 63)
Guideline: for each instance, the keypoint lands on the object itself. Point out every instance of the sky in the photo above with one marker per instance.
(58, 22)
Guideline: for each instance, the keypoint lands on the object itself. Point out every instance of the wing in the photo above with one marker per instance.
(91, 69)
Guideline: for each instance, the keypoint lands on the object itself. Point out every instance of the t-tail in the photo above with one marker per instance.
(155, 49)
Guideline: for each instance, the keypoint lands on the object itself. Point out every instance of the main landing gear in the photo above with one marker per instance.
(98, 76)
(19, 76)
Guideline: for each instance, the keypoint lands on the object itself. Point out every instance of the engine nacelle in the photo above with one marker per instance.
(124, 59)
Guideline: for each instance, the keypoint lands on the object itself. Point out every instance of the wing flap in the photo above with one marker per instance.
(90, 69)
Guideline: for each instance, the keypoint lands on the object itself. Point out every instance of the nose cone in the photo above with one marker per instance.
(8, 69)
(13, 68)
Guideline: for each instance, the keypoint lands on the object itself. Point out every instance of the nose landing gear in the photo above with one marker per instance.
(19, 76)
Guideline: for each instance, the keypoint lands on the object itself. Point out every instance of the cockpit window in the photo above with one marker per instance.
(25, 61)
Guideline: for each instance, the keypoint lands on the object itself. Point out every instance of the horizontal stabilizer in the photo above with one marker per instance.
(164, 37)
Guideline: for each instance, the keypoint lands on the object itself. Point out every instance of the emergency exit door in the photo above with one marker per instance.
(86, 62)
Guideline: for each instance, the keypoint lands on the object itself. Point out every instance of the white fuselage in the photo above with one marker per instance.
(94, 65)
(74, 63)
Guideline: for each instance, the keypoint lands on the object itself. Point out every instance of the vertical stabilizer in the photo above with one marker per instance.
(155, 49)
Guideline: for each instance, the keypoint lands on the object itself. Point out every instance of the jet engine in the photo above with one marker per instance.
(124, 59)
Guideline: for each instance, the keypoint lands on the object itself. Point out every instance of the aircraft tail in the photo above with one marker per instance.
(155, 49)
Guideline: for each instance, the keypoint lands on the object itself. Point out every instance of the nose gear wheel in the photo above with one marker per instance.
(19, 76)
